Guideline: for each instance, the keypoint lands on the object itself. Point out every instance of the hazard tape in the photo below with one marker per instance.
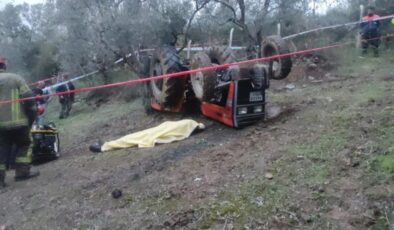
(188, 72)
(234, 48)
(43, 80)
(72, 80)
(337, 26)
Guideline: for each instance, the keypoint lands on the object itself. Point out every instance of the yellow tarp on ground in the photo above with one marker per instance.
(167, 132)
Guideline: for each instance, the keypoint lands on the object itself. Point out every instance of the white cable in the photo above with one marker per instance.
(334, 27)
(233, 48)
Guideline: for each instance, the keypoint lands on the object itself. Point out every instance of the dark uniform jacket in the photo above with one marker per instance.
(370, 25)
(65, 88)
(15, 114)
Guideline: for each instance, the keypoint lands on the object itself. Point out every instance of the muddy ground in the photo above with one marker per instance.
(327, 162)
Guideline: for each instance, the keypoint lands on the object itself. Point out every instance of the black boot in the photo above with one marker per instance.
(376, 52)
(2, 179)
(364, 52)
(23, 172)
(96, 147)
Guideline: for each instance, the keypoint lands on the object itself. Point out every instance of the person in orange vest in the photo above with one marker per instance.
(16, 119)
(41, 103)
(370, 32)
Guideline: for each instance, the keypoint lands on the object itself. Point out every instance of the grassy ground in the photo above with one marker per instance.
(325, 163)
(350, 138)
(344, 155)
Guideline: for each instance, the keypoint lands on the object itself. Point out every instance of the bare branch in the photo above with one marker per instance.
(231, 8)
(241, 4)
(186, 32)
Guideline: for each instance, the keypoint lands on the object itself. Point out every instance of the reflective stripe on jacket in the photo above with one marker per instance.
(12, 86)
(370, 23)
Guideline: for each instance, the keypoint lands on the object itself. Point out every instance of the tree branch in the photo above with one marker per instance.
(231, 8)
(186, 32)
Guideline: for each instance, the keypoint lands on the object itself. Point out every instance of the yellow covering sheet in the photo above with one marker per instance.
(167, 132)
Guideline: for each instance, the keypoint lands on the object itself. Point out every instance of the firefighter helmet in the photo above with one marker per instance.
(40, 109)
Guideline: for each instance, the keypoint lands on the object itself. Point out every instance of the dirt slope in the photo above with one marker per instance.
(330, 154)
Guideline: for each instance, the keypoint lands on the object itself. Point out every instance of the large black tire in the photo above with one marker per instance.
(259, 77)
(57, 147)
(221, 55)
(280, 67)
(170, 91)
(203, 83)
(224, 55)
(146, 93)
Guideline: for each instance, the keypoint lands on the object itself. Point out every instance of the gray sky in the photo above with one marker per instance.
(4, 2)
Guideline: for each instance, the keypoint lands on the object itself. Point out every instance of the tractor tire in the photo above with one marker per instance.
(146, 92)
(203, 83)
(168, 92)
(57, 147)
(259, 77)
(221, 55)
(224, 55)
(280, 67)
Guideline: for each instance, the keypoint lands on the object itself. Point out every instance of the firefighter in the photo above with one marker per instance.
(65, 100)
(370, 33)
(16, 119)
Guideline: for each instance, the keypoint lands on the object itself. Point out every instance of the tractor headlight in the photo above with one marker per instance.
(243, 110)
(258, 109)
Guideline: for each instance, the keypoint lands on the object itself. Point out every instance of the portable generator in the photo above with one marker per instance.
(46, 143)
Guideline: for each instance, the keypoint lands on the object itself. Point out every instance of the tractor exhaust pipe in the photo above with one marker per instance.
(230, 40)
(189, 47)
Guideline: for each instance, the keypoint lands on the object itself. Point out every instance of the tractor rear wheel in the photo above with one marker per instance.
(221, 55)
(203, 83)
(168, 92)
(146, 92)
(281, 67)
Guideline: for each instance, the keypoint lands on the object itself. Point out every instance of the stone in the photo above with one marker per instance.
(269, 176)
(117, 193)
(290, 86)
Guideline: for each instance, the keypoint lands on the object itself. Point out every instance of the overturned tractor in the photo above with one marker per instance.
(234, 96)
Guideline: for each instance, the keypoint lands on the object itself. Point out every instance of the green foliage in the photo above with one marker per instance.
(40, 60)
(385, 136)
(386, 163)
(79, 36)
(322, 148)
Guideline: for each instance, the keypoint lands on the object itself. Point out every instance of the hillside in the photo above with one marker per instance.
(327, 162)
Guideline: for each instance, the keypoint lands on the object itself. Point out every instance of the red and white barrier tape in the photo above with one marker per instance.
(43, 80)
(336, 26)
(188, 72)
(202, 48)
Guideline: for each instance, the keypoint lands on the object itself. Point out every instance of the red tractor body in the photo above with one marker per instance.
(234, 96)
